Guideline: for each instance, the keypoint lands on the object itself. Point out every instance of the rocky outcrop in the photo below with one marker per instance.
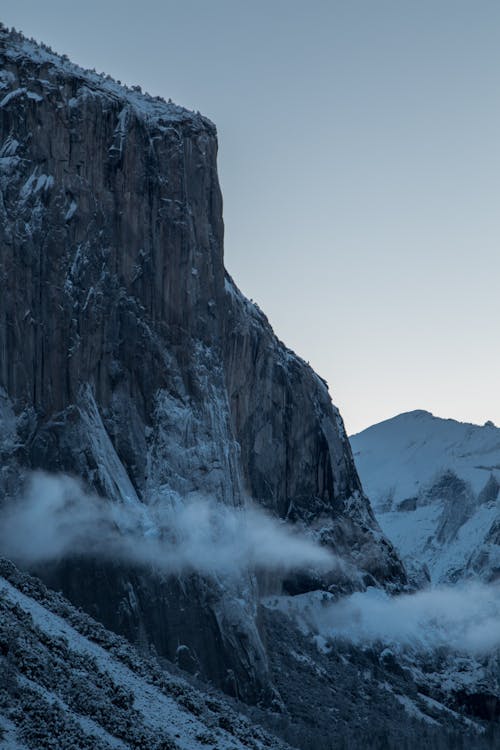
(129, 358)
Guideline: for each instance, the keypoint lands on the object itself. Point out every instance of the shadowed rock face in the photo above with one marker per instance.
(130, 359)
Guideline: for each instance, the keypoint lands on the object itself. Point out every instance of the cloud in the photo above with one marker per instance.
(464, 617)
(57, 518)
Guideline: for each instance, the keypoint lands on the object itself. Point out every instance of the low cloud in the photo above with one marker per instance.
(464, 617)
(57, 518)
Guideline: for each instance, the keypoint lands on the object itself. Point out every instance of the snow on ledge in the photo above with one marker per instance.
(18, 48)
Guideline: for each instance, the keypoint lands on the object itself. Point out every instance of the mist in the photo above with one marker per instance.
(57, 518)
(464, 617)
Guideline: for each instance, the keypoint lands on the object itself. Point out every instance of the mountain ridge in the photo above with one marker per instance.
(423, 413)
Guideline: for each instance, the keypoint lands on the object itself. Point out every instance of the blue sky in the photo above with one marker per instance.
(360, 165)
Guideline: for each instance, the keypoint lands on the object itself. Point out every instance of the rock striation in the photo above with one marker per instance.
(129, 358)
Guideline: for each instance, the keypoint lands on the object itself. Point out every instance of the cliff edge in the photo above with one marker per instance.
(129, 358)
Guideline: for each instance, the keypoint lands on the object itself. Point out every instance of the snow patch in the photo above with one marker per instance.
(12, 95)
(71, 211)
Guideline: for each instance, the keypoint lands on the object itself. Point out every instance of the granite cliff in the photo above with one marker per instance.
(128, 358)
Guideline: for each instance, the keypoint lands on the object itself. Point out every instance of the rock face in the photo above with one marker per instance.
(435, 487)
(66, 681)
(129, 358)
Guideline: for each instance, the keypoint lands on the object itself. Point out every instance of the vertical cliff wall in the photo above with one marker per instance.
(129, 358)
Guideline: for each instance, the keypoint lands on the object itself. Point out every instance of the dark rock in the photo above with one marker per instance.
(128, 358)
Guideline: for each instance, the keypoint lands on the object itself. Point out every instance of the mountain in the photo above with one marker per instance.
(66, 682)
(435, 488)
(130, 360)
(175, 472)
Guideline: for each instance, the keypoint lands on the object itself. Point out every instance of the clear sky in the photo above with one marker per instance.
(360, 165)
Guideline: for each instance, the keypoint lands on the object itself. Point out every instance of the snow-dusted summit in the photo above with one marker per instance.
(434, 485)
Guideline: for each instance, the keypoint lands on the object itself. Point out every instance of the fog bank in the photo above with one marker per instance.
(464, 617)
(58, 518)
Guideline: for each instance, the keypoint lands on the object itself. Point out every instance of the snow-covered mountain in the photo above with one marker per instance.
(434, 485)
(146, 408)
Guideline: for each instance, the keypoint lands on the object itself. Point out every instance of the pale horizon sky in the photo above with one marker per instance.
(359, 159)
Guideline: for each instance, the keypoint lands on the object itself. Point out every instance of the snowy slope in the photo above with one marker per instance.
(67, 682)
(436, 652)
(434, 485)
